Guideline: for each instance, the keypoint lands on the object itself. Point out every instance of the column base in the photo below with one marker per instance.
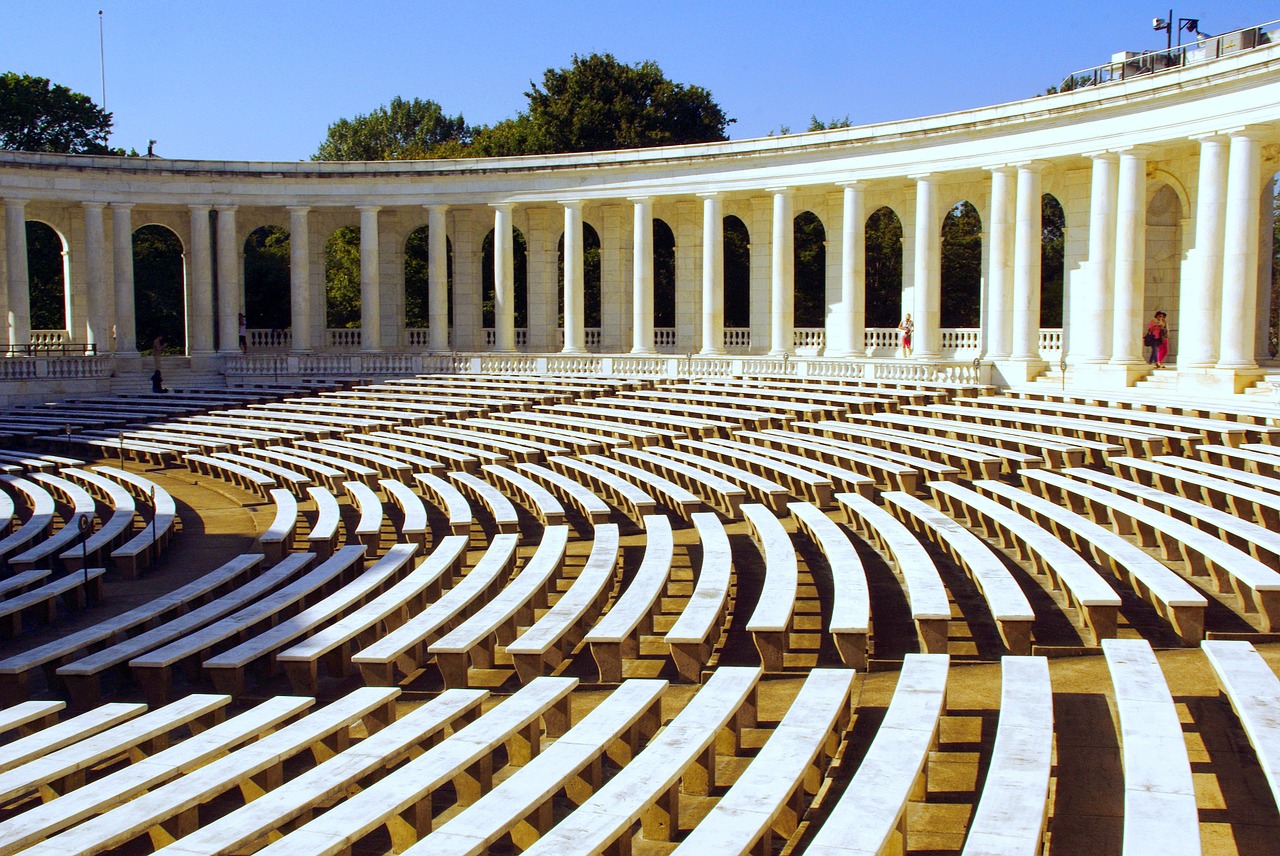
(1218, 381)
(1017, 372)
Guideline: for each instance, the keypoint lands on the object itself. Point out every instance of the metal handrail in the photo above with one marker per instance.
(1154, 62)
(48, 349)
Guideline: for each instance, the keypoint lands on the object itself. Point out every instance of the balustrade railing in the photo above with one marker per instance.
(967, 339)
(491, 337)
(343, 338)
(45, 338)
(664, 339)
(1050, 343)
(882, 339)
(809, 340)
(266, 339)
(737, 340)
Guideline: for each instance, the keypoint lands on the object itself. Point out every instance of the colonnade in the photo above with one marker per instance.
(1001, 159)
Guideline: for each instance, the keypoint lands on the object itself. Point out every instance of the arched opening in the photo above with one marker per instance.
(962, 266)
(417, 259)
(46, 277)
(664, 277)
(266, 283)
(810, 249)
(884, 268)
(520, 259)
(159, 293)
(1053, 243)
(590, 278)
(737, 275)
(1164, 260)
(342, 278)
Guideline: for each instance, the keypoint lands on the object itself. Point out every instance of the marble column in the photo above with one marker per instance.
(1130, 257)
(574, 306)
(370, 280)
(126, 335)
(437, 278)
(1240, 251)
(782, 275)
(927, 279)
(1092, 305)
(19, 288)
(230, 281)
(712, 274)
(301, 303)
(849, 329)
(504, 279)
(97, 331)
(642, 276)
(1026, 265)
(1199, 300)
(999, 321)
(200, 283)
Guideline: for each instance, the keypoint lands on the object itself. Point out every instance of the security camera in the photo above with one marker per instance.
(1159, 24)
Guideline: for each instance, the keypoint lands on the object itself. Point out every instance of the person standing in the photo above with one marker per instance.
(908, 327)
(244, 335)
(1156, 339)
(157, 349)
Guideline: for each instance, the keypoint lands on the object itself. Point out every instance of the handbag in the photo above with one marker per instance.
(1150, 339)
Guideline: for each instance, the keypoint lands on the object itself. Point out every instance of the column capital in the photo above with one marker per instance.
(710, 194)
(1107, 155)
(1210, 137)
(226, 209)
(780, 191)
(122, 206)
(1030, 165)
(434, 206)
(93, 205)
(924, 176)
(854, 184)
(297, 209)
(374, 208)
(15, 202)
(502, 206)
(641, 200)
(199, 207)
(575, 204)
(1002, 168)
(1135, 151)
(1248, 132)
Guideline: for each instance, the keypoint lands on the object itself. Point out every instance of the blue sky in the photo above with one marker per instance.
(238, 80)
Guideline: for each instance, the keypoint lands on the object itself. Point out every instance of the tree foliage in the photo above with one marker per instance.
(1053, 239)
(600, 103)
(158, 282)
(884, 268)
(810, 251)
(47, 279)
(401, 130)
(39, 116)
(962, 267)
(266, 278)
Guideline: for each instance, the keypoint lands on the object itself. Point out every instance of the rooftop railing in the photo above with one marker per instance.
(1129, 65)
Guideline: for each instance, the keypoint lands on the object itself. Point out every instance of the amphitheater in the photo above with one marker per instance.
(701, 577)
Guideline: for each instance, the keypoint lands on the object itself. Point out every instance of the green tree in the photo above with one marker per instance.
(884, 269)
(266, 278)
(157, 276)
(46, 278)
(39, 116)
(961, 266)
(401, 130)
(810, 251)
(1053, 241)
(599, 103)
(816, 124)
(342, 278)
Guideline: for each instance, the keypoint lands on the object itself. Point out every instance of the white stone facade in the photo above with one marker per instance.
(1165, 182)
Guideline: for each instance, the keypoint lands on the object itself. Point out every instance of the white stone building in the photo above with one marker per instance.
(1165, 180)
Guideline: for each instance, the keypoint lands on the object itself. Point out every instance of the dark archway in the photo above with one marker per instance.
(1164, 260)
(962, 267)
(267, 279)
(417, 259)
(159, 294)
(46, 277)
(1053, 244)
(737, 273)
(342, 278)
(520, 258)
(810, 240)
(590, 277)
(664, 275)
(884, 268)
